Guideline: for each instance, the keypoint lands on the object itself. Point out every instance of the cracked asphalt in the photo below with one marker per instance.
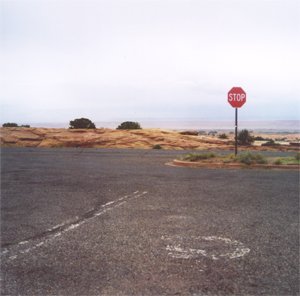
(121, 222)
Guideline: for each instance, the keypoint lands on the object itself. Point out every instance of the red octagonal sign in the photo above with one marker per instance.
(236, 97)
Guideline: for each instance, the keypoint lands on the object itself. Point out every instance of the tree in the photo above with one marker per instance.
(8, 124)
(129, 125)
(244, 137)
(81, 123)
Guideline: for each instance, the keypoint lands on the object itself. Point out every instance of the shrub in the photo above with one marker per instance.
(195, 156)
(244, 137)
(10, 124)
(212, 154)
(278, 160)
(297, 156)
(270, 143)
(192, 157)
(81, 123)
(223, 136)
(259, 138)
(260, 159)
(157, 147)
(129, 125)
(247, 158)
(204, 156)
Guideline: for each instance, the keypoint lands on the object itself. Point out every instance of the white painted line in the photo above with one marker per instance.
(175, 250)
(51, 237)
(23, 243)
(13, 257)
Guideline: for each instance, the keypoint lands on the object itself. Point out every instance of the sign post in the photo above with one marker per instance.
(236, 98)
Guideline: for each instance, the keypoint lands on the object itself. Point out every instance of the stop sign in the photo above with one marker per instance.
(236, 97)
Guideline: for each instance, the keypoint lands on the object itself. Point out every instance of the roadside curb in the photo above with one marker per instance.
(233, 165)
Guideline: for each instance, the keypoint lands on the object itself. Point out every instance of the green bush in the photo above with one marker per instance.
(260, 159)
(204, 156)
(129, 125)
(157, 147)
(10, 124)
(81, 123)
(192, 157)
(245, 138)
(195, 156)
(270, 142)
(297, 156)
(223, 136)
(212, 154)
(259, 138)
(247, 158)
(278, 160)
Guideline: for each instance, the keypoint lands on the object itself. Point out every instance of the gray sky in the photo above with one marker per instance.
(148, 60)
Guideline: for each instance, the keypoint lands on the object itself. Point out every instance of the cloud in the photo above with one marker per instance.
(158, 59)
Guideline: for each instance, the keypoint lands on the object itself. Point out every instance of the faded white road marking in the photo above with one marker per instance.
(23, 243)
(105, 208)
(209, 246)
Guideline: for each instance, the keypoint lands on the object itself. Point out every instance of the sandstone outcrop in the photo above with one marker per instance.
(111, 138)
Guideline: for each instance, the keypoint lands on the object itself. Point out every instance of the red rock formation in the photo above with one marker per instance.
(110, 138)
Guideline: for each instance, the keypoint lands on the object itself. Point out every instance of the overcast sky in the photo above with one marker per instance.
(141, 60)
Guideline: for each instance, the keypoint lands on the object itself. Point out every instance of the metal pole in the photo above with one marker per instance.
(235, 131)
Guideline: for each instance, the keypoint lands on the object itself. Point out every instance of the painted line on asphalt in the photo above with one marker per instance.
(65, 227)
(213, 247)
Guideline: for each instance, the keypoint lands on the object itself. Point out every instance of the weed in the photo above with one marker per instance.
(157, 147)
(212, 154)
(247, 158)
(195, 156)
(297, 156)
(204, 156)
(278, 160)
(58, 146)
(260, 159)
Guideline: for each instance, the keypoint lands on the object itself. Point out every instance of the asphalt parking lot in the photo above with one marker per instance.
(121, 222)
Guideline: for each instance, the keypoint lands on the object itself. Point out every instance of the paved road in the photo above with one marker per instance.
(111, 222)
